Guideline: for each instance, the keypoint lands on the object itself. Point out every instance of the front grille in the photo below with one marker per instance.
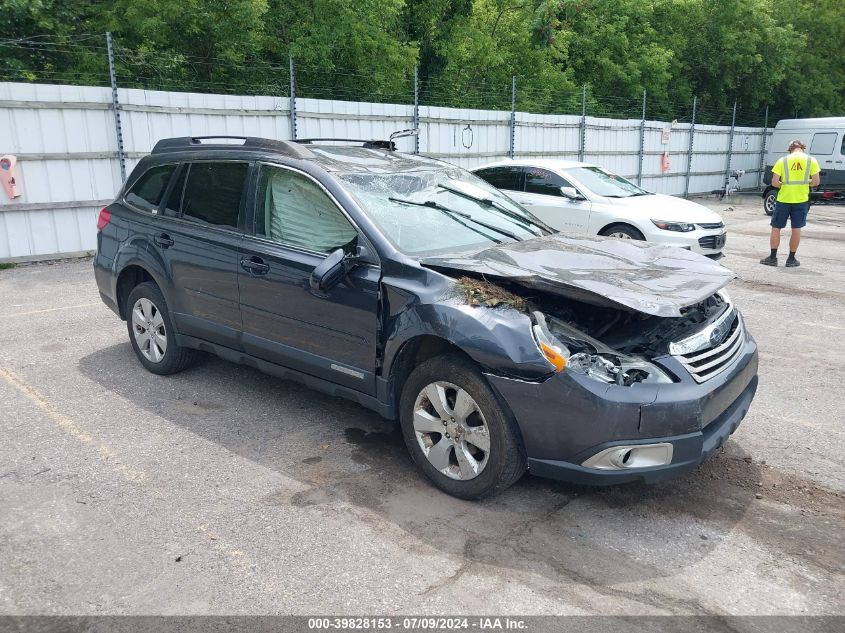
(712, 241)
(711, 225)
(705, 363)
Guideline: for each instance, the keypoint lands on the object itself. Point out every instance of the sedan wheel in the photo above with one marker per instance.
(620, 235)
(451, 430)
(148, 328)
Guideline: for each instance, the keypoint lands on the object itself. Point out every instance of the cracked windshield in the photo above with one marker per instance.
(431, 211)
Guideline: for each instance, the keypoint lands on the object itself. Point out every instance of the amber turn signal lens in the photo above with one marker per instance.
(554, 357)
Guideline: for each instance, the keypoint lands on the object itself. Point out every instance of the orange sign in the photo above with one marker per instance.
(7, 176)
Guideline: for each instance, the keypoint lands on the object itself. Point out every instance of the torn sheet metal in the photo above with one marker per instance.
(648, 278)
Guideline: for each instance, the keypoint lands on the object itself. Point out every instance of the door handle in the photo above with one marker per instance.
(163, 240)
(255, 265)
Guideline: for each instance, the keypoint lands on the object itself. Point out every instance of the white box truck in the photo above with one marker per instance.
(825, 141)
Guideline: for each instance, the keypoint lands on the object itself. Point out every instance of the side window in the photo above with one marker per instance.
(174, 201)
(543, 182)
(293, 210)
(213, 193)
(823, 143)
(507, 178)
(148, 190)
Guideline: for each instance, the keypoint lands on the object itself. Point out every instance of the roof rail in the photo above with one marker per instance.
(184, 143)
(367, 143)
(389, 145)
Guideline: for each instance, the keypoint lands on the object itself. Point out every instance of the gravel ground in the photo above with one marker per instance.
(225, 491)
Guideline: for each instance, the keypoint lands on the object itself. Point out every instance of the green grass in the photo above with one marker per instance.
(6, 266)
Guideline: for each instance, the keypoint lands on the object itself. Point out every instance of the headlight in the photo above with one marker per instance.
(580, 353)
(681, 227)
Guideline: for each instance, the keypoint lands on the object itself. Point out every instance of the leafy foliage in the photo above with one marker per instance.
(751, 51)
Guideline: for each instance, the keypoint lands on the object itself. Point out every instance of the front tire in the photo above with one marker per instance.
(457, 431)
(769, 201)
(622, 231)
(152, 334)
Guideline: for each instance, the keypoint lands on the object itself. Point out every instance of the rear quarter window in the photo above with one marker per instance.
(148, 190)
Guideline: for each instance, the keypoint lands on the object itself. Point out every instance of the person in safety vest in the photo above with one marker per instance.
(792, 176)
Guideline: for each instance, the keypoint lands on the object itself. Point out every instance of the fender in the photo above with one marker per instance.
(498, 339)
(137, 251)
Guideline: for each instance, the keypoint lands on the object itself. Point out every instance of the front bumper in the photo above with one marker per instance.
(701, 241)
(568, 419)
(689, 451)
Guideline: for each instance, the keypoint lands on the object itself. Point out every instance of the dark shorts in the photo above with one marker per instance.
(795, 211)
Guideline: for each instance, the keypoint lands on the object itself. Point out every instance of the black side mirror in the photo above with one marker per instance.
(331, 271)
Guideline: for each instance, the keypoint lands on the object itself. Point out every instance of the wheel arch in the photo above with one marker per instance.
(130, 276)
(626, 223)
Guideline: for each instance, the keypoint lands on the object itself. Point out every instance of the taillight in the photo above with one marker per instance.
(103, 219)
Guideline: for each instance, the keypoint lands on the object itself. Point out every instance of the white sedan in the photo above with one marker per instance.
(577, 197)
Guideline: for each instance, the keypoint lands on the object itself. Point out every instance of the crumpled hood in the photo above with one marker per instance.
(648, 278)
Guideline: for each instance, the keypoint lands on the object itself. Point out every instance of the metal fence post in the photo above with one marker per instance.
(689, 151)
(292, 99)
(763, 147)
(115, 104)
(582, 141)
(730, 145)
(642, 144)
(513, 116)
(417, 109)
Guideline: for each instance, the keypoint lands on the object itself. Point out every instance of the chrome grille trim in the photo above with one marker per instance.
(711, 225)
(717, 359)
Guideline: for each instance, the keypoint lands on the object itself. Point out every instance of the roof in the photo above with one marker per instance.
(347, 158)
(804, 124)
(547, 163)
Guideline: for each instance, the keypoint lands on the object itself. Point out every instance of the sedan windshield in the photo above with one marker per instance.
(604, 183)
(440, 210)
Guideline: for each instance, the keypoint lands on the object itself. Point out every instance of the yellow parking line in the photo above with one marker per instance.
(31, 312)
(235, 556)
(824, 325)
(70, 427)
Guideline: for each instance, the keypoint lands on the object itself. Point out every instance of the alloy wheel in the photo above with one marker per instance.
(451, 430)
(620, 235)
(148, 328)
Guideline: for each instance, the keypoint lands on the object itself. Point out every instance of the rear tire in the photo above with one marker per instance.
(769, 201)
(622, 231)
(152, 334)
(461, 437)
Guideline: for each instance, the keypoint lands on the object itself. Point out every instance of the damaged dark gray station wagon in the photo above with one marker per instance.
(421, 292)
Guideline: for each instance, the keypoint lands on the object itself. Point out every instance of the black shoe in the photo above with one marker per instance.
(769, 261)
(791, 262)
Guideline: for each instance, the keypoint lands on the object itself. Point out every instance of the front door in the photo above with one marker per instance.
(543, 198)
(330, 335)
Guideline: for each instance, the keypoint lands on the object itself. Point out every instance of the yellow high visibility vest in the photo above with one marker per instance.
(795, 171)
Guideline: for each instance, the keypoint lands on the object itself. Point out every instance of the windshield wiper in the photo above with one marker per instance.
(492, 203)
(431, 204)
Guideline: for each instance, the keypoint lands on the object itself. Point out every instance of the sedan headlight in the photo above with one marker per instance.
(571, 350)
(680, 227)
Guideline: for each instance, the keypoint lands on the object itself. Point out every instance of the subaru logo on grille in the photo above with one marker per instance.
(718, 334)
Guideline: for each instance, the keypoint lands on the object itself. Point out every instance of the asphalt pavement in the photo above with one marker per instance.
(225, 491)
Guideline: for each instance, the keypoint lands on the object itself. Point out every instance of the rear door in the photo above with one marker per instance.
(543, 198)
(331, 335)
(199, 233)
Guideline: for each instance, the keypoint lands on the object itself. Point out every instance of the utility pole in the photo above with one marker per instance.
(115, 104)
(292, 99)
(582, 142)
(417, 109)
(642, 143)
(763, 146)
(513, 116)
(689, 151)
